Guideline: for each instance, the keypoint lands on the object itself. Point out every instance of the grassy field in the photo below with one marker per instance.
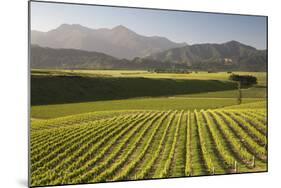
(252, 92)
(172, 103)
(261, 76)
(100, 126)
(50, 89)
(56, 93)
(259, 104)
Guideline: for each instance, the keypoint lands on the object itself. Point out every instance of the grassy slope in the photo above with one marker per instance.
(125, 84)
(254, 92)
(52, 111)
(253, 105)
(68, 89)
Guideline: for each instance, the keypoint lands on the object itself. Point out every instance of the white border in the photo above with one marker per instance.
(13, 93)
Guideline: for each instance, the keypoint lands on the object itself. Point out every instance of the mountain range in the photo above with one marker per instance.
(231, 55)
(50, 58)
(119, 41)
(78, 47)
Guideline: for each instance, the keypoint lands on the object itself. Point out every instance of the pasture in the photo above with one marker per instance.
(56, 93)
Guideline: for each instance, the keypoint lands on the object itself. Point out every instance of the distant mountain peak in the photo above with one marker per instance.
(233, 42)
(64, 26)
(119, 41)
(70, 26)
(238, 44)
(121, 28)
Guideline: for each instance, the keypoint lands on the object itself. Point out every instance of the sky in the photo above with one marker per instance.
(178, 26)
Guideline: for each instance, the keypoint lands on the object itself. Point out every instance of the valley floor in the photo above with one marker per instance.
(145, 137)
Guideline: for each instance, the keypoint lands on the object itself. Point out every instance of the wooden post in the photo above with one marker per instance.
(239, 97)
(213, 170)
(254, 162)
(235, 167)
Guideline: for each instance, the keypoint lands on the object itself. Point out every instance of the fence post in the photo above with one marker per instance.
(235, 167)
(254, 162)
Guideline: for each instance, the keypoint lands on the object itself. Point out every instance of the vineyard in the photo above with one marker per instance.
(147, 144)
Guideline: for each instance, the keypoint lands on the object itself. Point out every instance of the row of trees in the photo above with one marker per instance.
(179, 71)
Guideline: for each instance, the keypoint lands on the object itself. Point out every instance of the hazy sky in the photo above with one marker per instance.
(177, 26)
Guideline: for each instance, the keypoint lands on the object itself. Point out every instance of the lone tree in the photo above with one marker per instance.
(242, 81)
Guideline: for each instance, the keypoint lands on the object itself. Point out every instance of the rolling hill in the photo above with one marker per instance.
(50, 58)
(205, 58)
(44, 57)
(231, 55)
